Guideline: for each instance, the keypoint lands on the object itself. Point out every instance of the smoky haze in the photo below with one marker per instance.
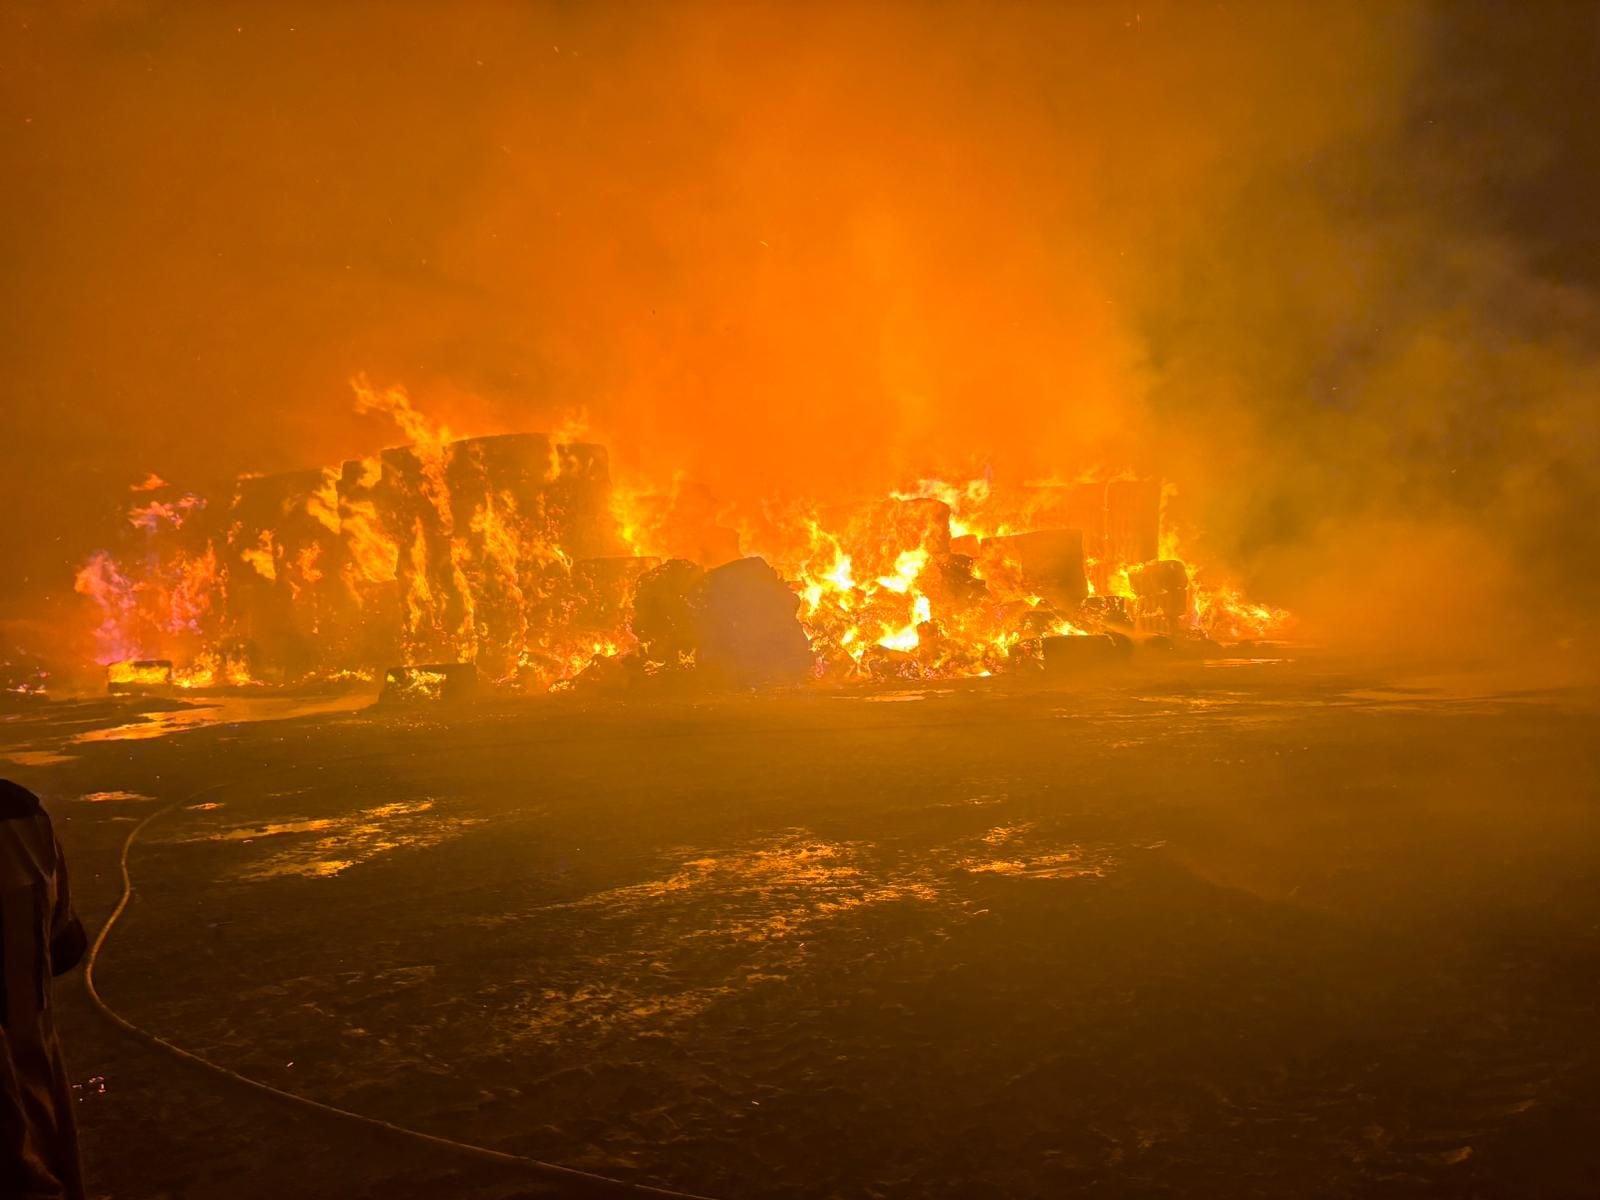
(1325, 268)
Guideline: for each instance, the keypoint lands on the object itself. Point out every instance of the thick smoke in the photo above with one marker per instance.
(1283, 256)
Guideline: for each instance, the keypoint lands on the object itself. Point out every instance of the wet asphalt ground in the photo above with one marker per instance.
(1253, 929)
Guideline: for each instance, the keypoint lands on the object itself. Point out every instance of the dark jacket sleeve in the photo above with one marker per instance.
(68, 941)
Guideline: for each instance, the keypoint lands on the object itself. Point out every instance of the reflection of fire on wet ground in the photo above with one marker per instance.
(961, 928)
(741, 918)
(1007, 855)
(56, 732)
(224, 711)
(317, 847)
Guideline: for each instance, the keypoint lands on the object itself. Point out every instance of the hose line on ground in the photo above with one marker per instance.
(551, 1171)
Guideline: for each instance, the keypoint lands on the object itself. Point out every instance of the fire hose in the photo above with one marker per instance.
(552, 1171)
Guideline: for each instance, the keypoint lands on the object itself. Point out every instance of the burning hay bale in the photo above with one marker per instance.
(602, 589)
(511, 552)
(414, 503)
(587, 633)
(428, 683)
(1050, 561)
(369, 577)
(577, 501)
(1120, 521)
(664, 612)
(138, 677)
(438, 550)
(488, 530)
(282, 564)
(1161, 597)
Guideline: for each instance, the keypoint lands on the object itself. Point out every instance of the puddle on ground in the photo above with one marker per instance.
(37, 758)
(150, 725)
(224, 711)
(251, 833)
(116, 797)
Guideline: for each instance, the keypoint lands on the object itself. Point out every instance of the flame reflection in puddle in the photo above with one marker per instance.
(731, 919)
(323, 847)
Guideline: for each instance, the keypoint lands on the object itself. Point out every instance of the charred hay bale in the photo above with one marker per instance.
(664, 617)
(283, 562)
(748, 629)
